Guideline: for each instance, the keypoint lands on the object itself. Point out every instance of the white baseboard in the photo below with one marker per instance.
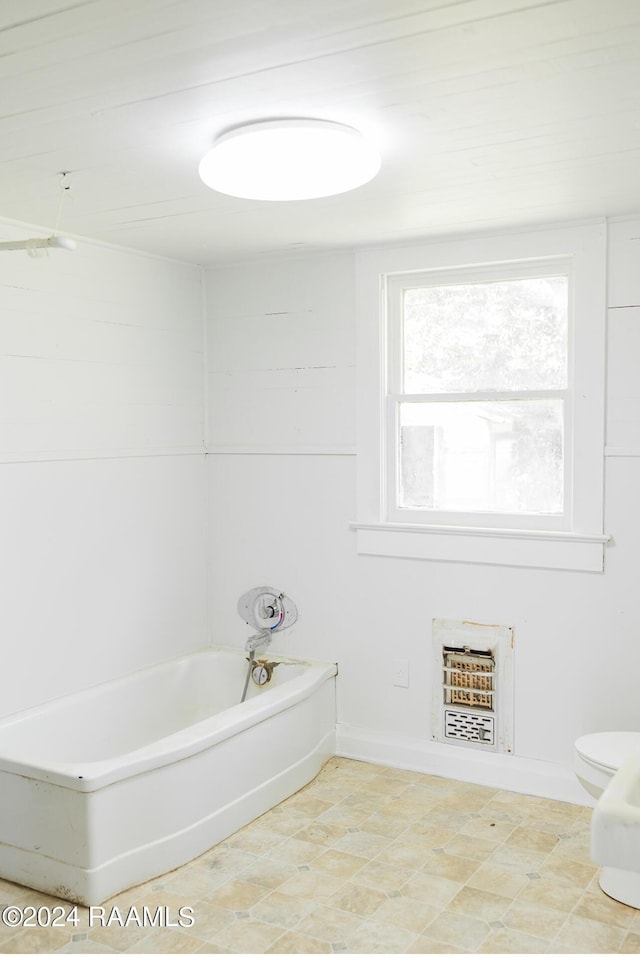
(503, 771)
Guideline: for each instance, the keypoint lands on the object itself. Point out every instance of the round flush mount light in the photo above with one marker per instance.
(297, 159)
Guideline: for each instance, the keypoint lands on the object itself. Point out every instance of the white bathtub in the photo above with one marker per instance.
(119, 783)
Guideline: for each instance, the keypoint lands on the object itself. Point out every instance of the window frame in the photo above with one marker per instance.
(394, 286)
(577, 544)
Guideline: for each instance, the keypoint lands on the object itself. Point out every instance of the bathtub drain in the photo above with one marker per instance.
(262, 672)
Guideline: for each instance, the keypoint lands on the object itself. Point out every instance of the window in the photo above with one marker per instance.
(481, 399)
(478, 397)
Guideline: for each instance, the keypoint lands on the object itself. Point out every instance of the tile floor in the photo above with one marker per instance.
(368, 859)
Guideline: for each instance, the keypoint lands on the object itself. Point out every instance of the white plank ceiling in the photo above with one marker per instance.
(488, 113)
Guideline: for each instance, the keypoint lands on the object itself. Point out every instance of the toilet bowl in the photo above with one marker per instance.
(598, 756)
(615, 834)
(608, 767)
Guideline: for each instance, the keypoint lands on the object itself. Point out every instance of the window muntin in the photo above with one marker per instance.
(478, 410)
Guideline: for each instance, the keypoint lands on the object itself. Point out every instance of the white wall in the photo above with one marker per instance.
(103, 528)
(102, 492)
(280, 356)
(103, 519)
(282, 373)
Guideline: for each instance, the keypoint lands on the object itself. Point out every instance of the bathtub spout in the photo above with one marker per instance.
(260, 639)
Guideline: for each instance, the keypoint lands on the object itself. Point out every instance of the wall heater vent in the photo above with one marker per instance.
(473, 684)
(469, 681)
(469, 677)
(468, 726)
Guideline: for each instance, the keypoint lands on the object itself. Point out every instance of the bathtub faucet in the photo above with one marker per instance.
(266, 610)
(260, 639)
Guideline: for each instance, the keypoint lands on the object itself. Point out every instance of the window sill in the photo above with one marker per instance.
(515, 548)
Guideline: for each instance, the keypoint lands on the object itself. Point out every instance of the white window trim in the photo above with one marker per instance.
(582, 546)
(394, 285)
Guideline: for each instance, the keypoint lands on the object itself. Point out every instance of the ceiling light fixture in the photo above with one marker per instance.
(296, 159)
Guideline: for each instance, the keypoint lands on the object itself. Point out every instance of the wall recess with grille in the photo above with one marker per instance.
(473, 684)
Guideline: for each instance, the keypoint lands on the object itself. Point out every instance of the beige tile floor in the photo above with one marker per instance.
(369, 859)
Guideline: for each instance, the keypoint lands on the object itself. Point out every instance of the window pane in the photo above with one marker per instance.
(507, 335)
(502, 456)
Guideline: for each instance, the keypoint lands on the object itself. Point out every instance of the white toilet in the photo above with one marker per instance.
(615, 829)
(597, 756)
